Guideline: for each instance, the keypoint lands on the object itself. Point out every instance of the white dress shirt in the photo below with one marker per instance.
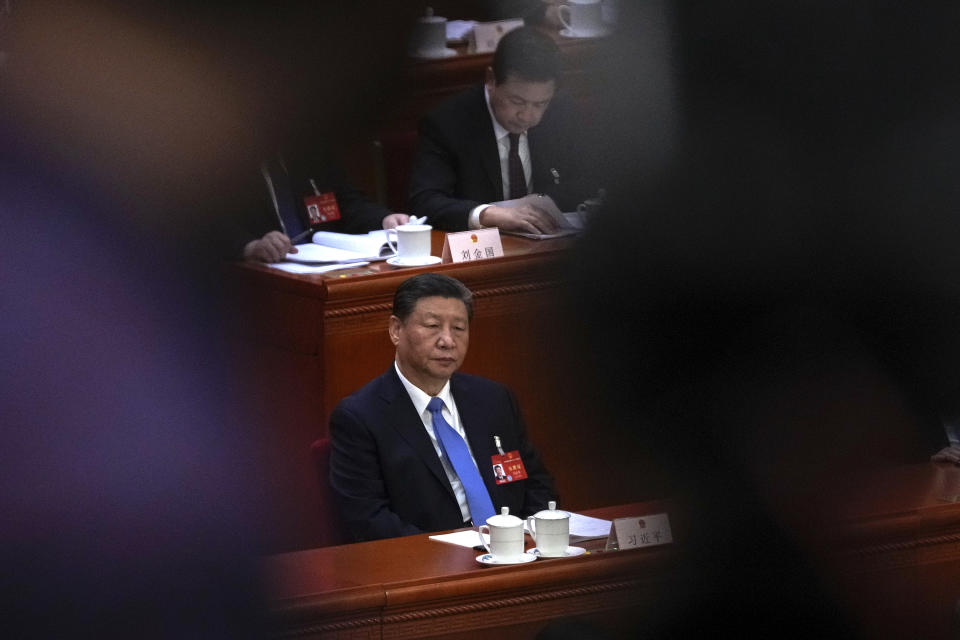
(503, 147)
(420, 400)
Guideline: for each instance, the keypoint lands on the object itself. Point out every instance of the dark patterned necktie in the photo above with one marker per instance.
(518, 181)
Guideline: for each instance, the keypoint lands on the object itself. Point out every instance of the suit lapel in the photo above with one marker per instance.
(486, 144)
(541, 178)
(402, 415)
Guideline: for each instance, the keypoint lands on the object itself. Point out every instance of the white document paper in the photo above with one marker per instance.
(343, 247)
(587, 528)
(372, 245)
(469, 538)
(296, 267)
(458, 30)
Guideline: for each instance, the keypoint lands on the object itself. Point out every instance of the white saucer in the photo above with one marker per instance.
(397, 261)
(434, 54)
(487, 559)
(603, 31)
(571, 552)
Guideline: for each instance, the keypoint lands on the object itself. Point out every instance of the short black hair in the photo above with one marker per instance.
(527, 54)
(427, 285)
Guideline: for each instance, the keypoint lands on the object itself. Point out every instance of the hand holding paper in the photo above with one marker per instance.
(555, 223)
(530, 214)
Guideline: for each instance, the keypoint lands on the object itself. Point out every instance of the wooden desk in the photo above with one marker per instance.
(310, 340)
(895, 557)
(415, 587)
(887, 545)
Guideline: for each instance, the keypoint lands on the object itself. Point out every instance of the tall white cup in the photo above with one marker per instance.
(550, 529)
(410, 241)
(582, 17)
(506, 536)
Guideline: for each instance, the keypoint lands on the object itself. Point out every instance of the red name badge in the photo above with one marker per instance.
(508, 467)
(322, 208)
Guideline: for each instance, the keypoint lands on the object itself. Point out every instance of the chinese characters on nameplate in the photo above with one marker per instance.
(469, 246)
(644, 531)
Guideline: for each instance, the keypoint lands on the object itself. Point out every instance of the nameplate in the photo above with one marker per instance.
(486, 35)
(645, 531)
(470, 246)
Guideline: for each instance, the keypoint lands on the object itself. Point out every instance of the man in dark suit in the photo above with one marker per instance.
(413, 450)
(299, 195)
(499, 141)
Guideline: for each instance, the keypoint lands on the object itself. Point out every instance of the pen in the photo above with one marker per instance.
(300, 236)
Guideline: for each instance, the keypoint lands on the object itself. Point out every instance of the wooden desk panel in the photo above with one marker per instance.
(888, 545)
(431, 589)
(895, 559)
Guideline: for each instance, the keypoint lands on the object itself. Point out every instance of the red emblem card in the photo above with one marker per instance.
(322, 208)
(508, 467)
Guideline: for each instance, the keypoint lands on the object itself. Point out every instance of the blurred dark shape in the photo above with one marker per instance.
(571, 629)
(486, 10)
(129, 504)
(131, 476)
(786, 292)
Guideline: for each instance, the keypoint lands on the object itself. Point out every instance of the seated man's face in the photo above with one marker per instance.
(518, 104)
(432, 342)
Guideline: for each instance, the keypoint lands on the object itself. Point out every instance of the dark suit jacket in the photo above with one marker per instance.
(457, 166)
(387, 476)
(357, 213)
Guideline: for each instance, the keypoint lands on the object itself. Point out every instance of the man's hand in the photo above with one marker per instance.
(394, 219)
(551, 14)
(949, 454)
(525, 219)
(272, 247)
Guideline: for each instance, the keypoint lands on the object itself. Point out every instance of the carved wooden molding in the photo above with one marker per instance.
(359, 311)
(907, 545)
(381, 307)
(352, 626)
(513, 601)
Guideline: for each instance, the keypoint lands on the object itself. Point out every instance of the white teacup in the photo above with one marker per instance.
(550, 529)
(589, 208)
(582, 17)
(506, 536)
(411, 241)
(428, 38)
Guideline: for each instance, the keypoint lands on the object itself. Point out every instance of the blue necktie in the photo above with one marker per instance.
(455, 448)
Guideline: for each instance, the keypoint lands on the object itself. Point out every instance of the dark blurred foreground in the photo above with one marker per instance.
(131, 479)
(787, 296)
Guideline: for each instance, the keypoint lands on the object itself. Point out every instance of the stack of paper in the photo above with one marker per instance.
(343, 248)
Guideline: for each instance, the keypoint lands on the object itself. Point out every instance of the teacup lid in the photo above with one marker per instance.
(429, 18)
(551, 512)
(504, 519)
